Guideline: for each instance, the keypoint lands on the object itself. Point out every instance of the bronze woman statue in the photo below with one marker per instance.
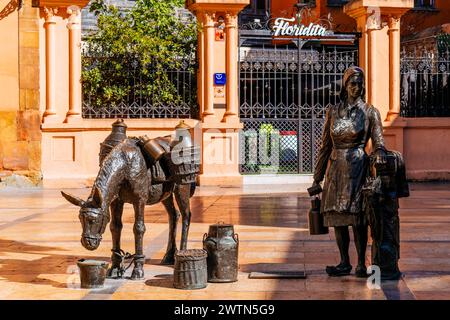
(348, 127)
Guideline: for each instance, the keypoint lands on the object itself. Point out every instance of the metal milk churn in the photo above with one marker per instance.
(315, 217)
(222, 245)
(182, 135)
(117, 135)
(152, 147)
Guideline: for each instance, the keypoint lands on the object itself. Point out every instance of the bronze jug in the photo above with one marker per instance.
(316, 224)
(315, 217)
(182, 136)
(152, 147)
(117, 135)
(222, 245)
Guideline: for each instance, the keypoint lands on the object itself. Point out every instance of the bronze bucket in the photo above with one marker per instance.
(190, 269)
(92, 273)
(222, 245)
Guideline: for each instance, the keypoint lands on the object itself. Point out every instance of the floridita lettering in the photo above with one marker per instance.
(283, 27)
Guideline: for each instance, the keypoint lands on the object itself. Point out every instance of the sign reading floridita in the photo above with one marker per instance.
(286, 27)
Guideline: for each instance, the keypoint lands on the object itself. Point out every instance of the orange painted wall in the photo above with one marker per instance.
(417, 20)
(341, 21)
(20, 136)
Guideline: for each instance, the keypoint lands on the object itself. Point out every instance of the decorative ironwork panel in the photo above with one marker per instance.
(306, 143)
(317, 139)
(135, 97)
(288, 89)
(269, 146)
(425, 84)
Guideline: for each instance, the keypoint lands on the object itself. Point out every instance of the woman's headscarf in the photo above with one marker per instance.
(350, 72)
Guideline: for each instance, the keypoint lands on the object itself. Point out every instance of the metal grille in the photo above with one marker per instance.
(284, 94)
(425, 84)
(136, 102)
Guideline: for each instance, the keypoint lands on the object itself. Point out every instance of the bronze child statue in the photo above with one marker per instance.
(348, 127)
(385, 184)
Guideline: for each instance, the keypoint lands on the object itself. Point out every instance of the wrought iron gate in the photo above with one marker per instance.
(285, 89)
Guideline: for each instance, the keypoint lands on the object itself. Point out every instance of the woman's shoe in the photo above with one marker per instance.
(361, 271)
(339, 270)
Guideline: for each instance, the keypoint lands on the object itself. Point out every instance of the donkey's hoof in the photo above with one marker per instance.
(114, 273)
(137, 274)
(168, 260)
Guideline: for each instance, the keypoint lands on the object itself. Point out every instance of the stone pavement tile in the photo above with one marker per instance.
(397, 290)
(39, 254)
(321, 257)
(246, 284)
(307, 295)
(227, 295)
(369, 294)
(129, 295)
(269, 267)
(430, 295)
(11, 215)
(428, 282)
(274, 255)
(97, 296)
(25, 291)
(348, 283)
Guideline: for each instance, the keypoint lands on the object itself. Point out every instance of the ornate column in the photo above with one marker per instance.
(394, 70)
(232, 93)
(375, 48)
(373, 24)
(208, 58)
(74, 26)
(200, 71)
(50, 67)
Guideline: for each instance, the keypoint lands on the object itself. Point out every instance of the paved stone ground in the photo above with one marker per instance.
(40, 244)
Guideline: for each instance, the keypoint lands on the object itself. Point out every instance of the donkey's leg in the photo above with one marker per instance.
(139, 230)
(116, 230)
(182, 194)
(174, 214)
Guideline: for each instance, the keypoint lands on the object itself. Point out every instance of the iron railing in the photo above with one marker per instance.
(425, 84)
(284, 94)
(135, 97)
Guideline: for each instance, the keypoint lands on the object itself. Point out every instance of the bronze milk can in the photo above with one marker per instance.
(182, 135)
(222, 245)
(152, 147)
(117, 135)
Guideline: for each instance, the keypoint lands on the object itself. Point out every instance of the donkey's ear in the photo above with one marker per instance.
(72, 199)
(97, 197)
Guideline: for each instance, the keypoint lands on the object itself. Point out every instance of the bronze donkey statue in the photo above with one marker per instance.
(125, 176)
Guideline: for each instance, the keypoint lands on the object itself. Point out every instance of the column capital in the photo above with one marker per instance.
(231, 20)
(373, 21)
(50, 13)
(74, 19)
(393, 22)
(208, 18)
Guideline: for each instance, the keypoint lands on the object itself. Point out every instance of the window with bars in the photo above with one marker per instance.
(424, 3)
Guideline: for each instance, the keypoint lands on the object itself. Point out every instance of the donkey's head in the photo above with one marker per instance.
(93, 217)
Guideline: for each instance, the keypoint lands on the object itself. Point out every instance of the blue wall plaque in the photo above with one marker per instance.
(220, 79)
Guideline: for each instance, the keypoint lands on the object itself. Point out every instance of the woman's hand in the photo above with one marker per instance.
(380, 157)
(315, 188)
(315, 183)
